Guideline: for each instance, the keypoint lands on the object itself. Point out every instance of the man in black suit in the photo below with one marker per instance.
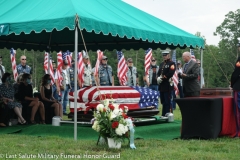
(191, 87)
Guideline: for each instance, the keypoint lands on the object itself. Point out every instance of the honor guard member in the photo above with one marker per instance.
(165, 81)
(87, 80)
(23, 67)
(105, 73)
(2, 70)
(131, 73)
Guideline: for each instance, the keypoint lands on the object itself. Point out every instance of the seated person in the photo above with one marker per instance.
(16, 84)
(25, 95)
(7, 94)
(47, 96)
(3, 113)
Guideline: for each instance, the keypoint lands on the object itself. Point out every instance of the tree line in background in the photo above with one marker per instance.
(218, 61)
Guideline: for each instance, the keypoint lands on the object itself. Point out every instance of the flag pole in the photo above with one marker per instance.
(75, 79)
(201, 69)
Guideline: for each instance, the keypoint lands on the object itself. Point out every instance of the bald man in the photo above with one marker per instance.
(23, 67)
(191, 87)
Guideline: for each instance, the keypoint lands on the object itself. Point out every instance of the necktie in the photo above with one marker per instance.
(185, 68)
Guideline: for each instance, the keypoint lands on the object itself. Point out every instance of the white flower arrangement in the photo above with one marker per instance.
(111, 121)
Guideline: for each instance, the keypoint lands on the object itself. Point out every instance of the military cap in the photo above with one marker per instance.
(165, 52)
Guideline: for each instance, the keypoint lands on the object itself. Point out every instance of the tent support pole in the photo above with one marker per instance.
(75, 79)
(201, 69)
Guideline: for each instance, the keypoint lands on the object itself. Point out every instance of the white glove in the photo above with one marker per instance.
(159, 80)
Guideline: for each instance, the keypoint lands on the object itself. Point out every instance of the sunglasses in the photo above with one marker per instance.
(105, 59)
(24, 59)
(153, 60)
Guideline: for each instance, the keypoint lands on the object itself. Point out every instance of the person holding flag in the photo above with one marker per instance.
(132, 75)
(87, 73)
(151, 79)
(165, 73)
(105, 73)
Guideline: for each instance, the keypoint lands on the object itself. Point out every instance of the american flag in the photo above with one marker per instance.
(122, 69)
(59, 67)
(133, 97)
(46, 67)
(99, 54)
(192, 55)
(175, 76)
(13, 61)
(67, 56)
(148, 56)
(80, 68)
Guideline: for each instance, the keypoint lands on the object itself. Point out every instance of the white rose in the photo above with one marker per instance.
(100, 107)
(120, 130)
(117, 112)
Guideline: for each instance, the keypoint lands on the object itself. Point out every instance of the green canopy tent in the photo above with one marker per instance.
(104, 24)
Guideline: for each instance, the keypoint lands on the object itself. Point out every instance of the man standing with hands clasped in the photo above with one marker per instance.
(191, 87)
(165, 81)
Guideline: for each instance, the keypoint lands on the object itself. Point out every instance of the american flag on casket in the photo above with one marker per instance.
(132, 97)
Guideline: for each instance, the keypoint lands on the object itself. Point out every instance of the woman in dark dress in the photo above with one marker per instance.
(7, 95)
(25, 95)
(235, 84)
(47, 95)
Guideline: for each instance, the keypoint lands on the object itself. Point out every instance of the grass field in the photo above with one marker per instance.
(13, 146)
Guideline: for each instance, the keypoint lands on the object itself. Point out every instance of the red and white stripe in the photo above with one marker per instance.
(46, 67)
(80, 68)
(14, 66)
(175, 82)
(147, 64)
(59, 67)
(99, 54)
(122, 71)
(69, 59)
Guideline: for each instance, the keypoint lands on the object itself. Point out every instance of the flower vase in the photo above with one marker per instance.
(113, 144)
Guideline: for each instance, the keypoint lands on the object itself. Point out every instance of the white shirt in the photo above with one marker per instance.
(66, 77)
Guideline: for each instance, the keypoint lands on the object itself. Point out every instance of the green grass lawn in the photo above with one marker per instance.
(14, 146)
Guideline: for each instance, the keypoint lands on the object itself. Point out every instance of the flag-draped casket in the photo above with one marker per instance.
(135, 98)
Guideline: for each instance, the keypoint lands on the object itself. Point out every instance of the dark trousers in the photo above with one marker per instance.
(4, 113)
(192, 94)
(166, 102)
(180, 89)
(173, 100)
